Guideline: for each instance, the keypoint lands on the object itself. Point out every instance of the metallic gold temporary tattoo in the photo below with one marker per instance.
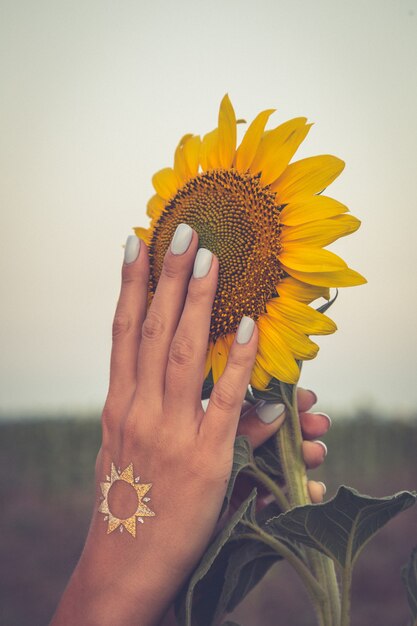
(142, 509)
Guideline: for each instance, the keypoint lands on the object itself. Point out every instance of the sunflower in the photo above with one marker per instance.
(268, 223)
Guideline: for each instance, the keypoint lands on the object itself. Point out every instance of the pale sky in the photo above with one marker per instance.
(95, 95)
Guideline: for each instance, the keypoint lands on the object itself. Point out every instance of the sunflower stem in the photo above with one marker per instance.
(290, 447)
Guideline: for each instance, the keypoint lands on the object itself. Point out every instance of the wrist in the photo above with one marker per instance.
(96, 601)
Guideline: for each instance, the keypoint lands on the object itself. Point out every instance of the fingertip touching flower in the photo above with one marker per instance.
(266, 220)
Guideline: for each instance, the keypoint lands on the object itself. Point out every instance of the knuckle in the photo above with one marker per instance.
(223, 396)
(198, 291)
(181, 351)
(122, 323)
(153, 326)
(171, 269)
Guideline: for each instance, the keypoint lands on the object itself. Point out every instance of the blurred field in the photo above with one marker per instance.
(46, 470)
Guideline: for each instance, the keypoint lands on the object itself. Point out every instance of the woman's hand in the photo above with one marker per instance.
(153, 418)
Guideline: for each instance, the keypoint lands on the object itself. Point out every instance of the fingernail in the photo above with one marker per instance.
(202, 263)
(181, 239)
(328, 418)
(314, 395)
(245, 330)
(204, 403)
(322, 444)
(324, 487)
(132, 248)
(268, 412)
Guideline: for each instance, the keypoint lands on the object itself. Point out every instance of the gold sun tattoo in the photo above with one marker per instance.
(142, 509)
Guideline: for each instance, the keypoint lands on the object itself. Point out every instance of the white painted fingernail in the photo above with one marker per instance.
(324, 487)
(204, 403)
(268, 412)
(322, 444)
(132, 248)
(181, 239)
(326, 416)
(245, 330)
(202, 263)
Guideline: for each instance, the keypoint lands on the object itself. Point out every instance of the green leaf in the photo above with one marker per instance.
(341, 527)
(185, 613)
(409, 576)
(246, 566)
(242, 457)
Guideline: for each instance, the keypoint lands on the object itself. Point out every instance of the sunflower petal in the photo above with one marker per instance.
(300, 345)
(302, 292)
(282, 155)
(250, 142)
(300, 316)
(227, 133)
(192, 154)
(180, 164)
(310, 210)
(260, 378)
(306, 177)
(321, 232)
(275, 352)
(155, 206)
(166, 183)
(273, 140)
(143, 233)
(339, 278)
(209, 151)
(220, 354)
(310, 259)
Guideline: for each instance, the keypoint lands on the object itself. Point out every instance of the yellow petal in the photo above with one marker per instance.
(155, 206)
(300, 345)
(302, 292)
(227, 133)
(309, 259)
(143, 233)
(301, 317)
(219, 355)
(166, 183)
(180, 164)
(207, 366)
(209, 151)
(260, 378)
(273, 140)
(250, 142)
(306, 177)
(321, 232)
(273, 349)
(340, 278)
(192, 154)
(311, 209)
(282, 155)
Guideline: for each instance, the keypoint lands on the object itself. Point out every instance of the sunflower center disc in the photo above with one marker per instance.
(238, 220)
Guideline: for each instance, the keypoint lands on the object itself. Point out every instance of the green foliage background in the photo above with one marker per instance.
(46, 471)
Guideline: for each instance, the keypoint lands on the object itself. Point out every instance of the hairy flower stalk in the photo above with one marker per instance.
(266, 219)
(290, 446)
